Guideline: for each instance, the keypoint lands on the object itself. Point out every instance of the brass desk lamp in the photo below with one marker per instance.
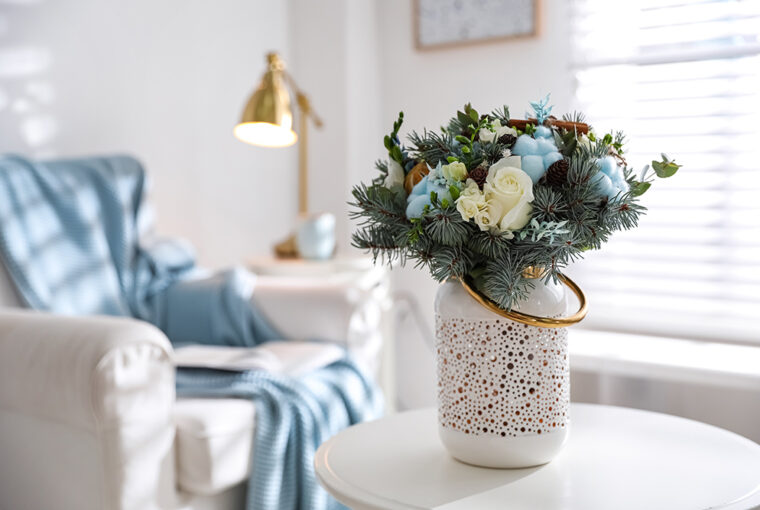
(268, 122)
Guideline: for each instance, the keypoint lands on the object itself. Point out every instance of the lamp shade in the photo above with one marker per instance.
(268, 118)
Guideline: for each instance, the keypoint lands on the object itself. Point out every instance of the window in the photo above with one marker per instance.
(684, 77)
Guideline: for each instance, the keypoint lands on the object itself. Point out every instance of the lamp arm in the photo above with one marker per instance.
(304, 105)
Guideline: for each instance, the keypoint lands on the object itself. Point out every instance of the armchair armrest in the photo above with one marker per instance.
(82, 371)
(348, 308)
(85, 411)
(342, 308)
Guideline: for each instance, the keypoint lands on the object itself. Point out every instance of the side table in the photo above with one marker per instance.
(616, 458)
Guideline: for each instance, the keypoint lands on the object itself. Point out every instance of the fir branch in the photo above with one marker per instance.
(382, 167)
(446, 226)
(447, 262)
(502, 280)
(378, 241)
(377, 204)
(432, 147)
(490, 244)
(492, 152)
(575, 117)
(548, 204)
(502, 115)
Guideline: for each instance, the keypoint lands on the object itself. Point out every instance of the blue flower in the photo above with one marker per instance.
(417, 199)
(610, 180)
(420, 195)
(537, 154)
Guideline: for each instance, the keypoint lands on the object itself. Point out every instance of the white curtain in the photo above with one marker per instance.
(683, 77)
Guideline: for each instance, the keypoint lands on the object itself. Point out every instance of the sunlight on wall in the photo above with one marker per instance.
(26, 95)
(23, 61)
(165, 82)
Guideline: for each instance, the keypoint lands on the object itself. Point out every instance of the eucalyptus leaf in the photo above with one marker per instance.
(665, 168)
(640, 188)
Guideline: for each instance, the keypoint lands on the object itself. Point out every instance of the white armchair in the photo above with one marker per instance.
(89, 417)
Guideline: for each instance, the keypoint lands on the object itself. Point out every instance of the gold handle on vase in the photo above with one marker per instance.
(532, 320)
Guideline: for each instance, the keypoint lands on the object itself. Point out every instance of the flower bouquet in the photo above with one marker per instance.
(498, 207)
(489, 196)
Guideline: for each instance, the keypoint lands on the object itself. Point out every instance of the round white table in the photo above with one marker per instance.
(615, 458)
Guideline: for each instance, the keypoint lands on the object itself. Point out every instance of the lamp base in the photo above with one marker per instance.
(287, 248)
(314, 238)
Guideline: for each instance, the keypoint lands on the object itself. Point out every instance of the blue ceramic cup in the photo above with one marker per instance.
(315, 236)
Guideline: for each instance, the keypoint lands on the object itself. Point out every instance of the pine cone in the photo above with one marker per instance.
(556, 175)
(478, 175)
(507, 139)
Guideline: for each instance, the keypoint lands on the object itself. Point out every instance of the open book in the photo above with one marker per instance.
(286, 357)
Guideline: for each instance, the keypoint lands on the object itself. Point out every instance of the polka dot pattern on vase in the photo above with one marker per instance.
(501, 378)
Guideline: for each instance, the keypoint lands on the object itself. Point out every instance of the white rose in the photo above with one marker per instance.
(454, 172)
(470, 200)
(467, 207)
(512, 189)
(471, 189)
(516, 218)
(395, 175)
(485, 135)
(488, 136)
(488, 216)
(508, 183)
(503, 130)
(506, 161)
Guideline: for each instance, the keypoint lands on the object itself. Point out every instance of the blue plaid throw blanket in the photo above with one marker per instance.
(72, 239)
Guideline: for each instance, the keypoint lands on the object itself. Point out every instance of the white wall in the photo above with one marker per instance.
(335, 59)
(429, 86)
(163, 80)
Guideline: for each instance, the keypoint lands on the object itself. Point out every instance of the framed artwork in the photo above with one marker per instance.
(444, 23)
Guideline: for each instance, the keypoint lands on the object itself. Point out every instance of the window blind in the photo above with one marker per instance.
(682, 77)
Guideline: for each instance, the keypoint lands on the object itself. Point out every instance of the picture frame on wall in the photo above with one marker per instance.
(449, 23)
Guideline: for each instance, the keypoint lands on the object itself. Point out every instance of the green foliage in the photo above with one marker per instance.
(665, 168)
(565, 222)
(577, 117)
(382, 168)
(640, 188)
(566, 141)
(550, 230)
(392, 143)
(501, 115)
(445, 226)
(662, 169)
(432, 147)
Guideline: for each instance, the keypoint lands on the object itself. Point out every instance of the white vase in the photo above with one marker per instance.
(503, 386)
